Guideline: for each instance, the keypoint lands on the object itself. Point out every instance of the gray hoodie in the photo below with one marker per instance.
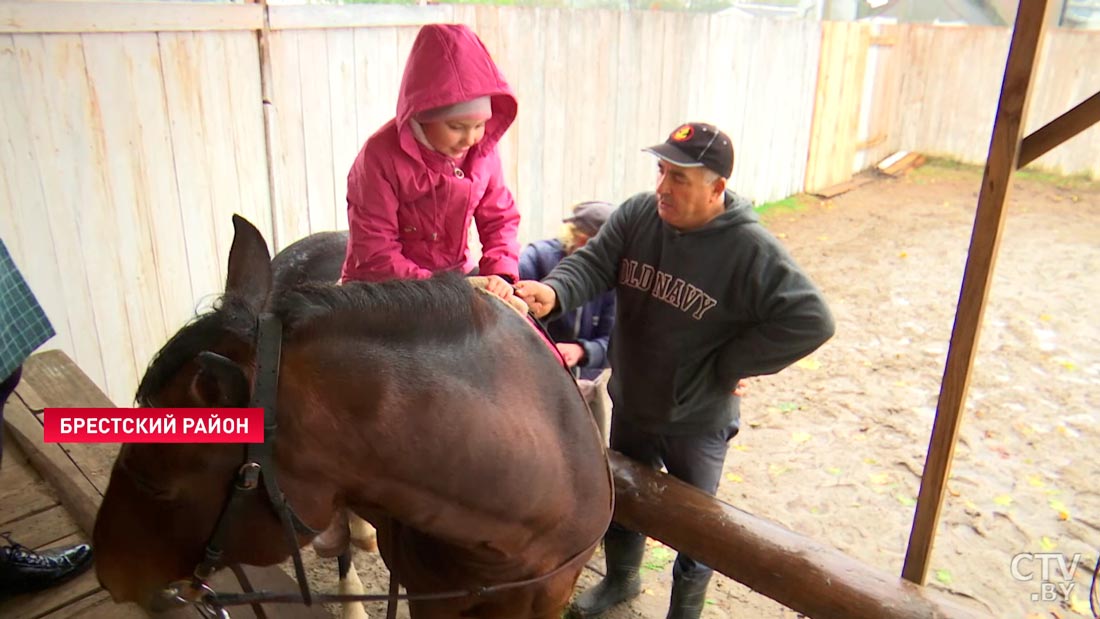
(697, 311)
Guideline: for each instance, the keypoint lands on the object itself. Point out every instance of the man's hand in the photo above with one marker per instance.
(572, 353)
(538, 296)
(497, 285)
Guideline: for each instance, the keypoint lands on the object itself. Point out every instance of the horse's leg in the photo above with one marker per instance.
(333, 541)
(363, 534)
(350, 585)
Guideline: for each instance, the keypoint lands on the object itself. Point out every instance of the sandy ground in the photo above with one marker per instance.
(833, 447)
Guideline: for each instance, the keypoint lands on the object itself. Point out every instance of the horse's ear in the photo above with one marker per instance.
(219, 383)
(249, 264)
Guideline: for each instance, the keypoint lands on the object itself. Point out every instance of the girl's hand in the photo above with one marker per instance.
(499, 287)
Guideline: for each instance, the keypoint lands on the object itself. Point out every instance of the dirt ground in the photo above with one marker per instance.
(833, 447)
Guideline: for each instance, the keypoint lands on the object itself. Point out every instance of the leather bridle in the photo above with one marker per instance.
(260, 461)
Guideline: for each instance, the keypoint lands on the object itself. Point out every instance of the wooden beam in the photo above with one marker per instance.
(1081, 117)
(307, 16)
(77, 494)
(795, 571)
(80, 17)
(1004, 149)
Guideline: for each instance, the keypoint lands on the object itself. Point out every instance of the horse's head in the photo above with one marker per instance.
(164, 499)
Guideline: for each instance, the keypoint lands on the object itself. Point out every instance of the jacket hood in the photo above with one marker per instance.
(449, 64)
(738, 211)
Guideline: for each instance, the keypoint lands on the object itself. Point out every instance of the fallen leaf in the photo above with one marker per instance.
(741, 447)
(1047, 544)
(880, 478)
(1058, 506)
(1035, 480)
(1003, 499)
(907, 501)
(943, 576)
(808, 364)
(1067, 364)
(801, 437)
(1044, 317)
(903, 255)
(832, 470)
(1078, 605)
(777, 469)
(734, 477)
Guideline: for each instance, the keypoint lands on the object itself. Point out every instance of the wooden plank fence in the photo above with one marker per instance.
(130, 135)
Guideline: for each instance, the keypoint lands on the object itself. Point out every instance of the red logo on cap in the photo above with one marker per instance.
(683, 134)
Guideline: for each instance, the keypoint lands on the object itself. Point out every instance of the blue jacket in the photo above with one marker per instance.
(596, 318)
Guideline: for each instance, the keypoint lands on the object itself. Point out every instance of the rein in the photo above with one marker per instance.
(260, 460)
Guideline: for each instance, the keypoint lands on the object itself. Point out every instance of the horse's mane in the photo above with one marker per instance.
(231, 316)
(441, 307)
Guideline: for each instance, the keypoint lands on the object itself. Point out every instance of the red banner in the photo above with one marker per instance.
(153, 425)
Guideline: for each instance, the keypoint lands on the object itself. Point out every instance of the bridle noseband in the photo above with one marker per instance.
(260, 461)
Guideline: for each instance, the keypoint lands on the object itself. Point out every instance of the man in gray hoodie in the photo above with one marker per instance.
(706, 297)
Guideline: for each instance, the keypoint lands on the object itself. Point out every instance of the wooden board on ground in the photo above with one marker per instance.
(900, 163)
(840, 188)
(43, 529)
(22, 491)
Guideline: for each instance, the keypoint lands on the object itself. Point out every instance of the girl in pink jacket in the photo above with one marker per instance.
(422, 177)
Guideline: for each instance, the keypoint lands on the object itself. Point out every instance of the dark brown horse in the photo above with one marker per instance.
(428, 408)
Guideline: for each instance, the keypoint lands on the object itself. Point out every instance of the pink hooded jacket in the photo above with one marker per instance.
(409, 208)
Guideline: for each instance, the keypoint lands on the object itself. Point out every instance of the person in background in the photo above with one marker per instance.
(425, 175)
(581, 336)
(23, 328)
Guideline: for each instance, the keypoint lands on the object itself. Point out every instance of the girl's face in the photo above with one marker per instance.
(454, 137)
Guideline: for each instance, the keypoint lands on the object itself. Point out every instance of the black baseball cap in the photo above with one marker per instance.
(697, 145)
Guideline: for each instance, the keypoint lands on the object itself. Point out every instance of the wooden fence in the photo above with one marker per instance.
(130, 132)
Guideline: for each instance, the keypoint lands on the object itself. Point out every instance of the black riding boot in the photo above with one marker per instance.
(689, 595)
(623, 551)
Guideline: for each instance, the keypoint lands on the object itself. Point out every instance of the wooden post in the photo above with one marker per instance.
(263, 37)
(1004, 150)
(1081, 117)
(795, 571)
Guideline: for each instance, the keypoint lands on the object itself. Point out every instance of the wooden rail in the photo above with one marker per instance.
(793, 570)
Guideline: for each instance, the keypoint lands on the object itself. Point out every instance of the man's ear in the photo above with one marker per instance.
(718, 187)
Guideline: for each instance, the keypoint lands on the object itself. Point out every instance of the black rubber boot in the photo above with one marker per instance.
(623, 551)
(689, 595)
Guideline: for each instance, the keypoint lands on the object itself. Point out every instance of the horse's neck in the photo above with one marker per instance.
(382, 441)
